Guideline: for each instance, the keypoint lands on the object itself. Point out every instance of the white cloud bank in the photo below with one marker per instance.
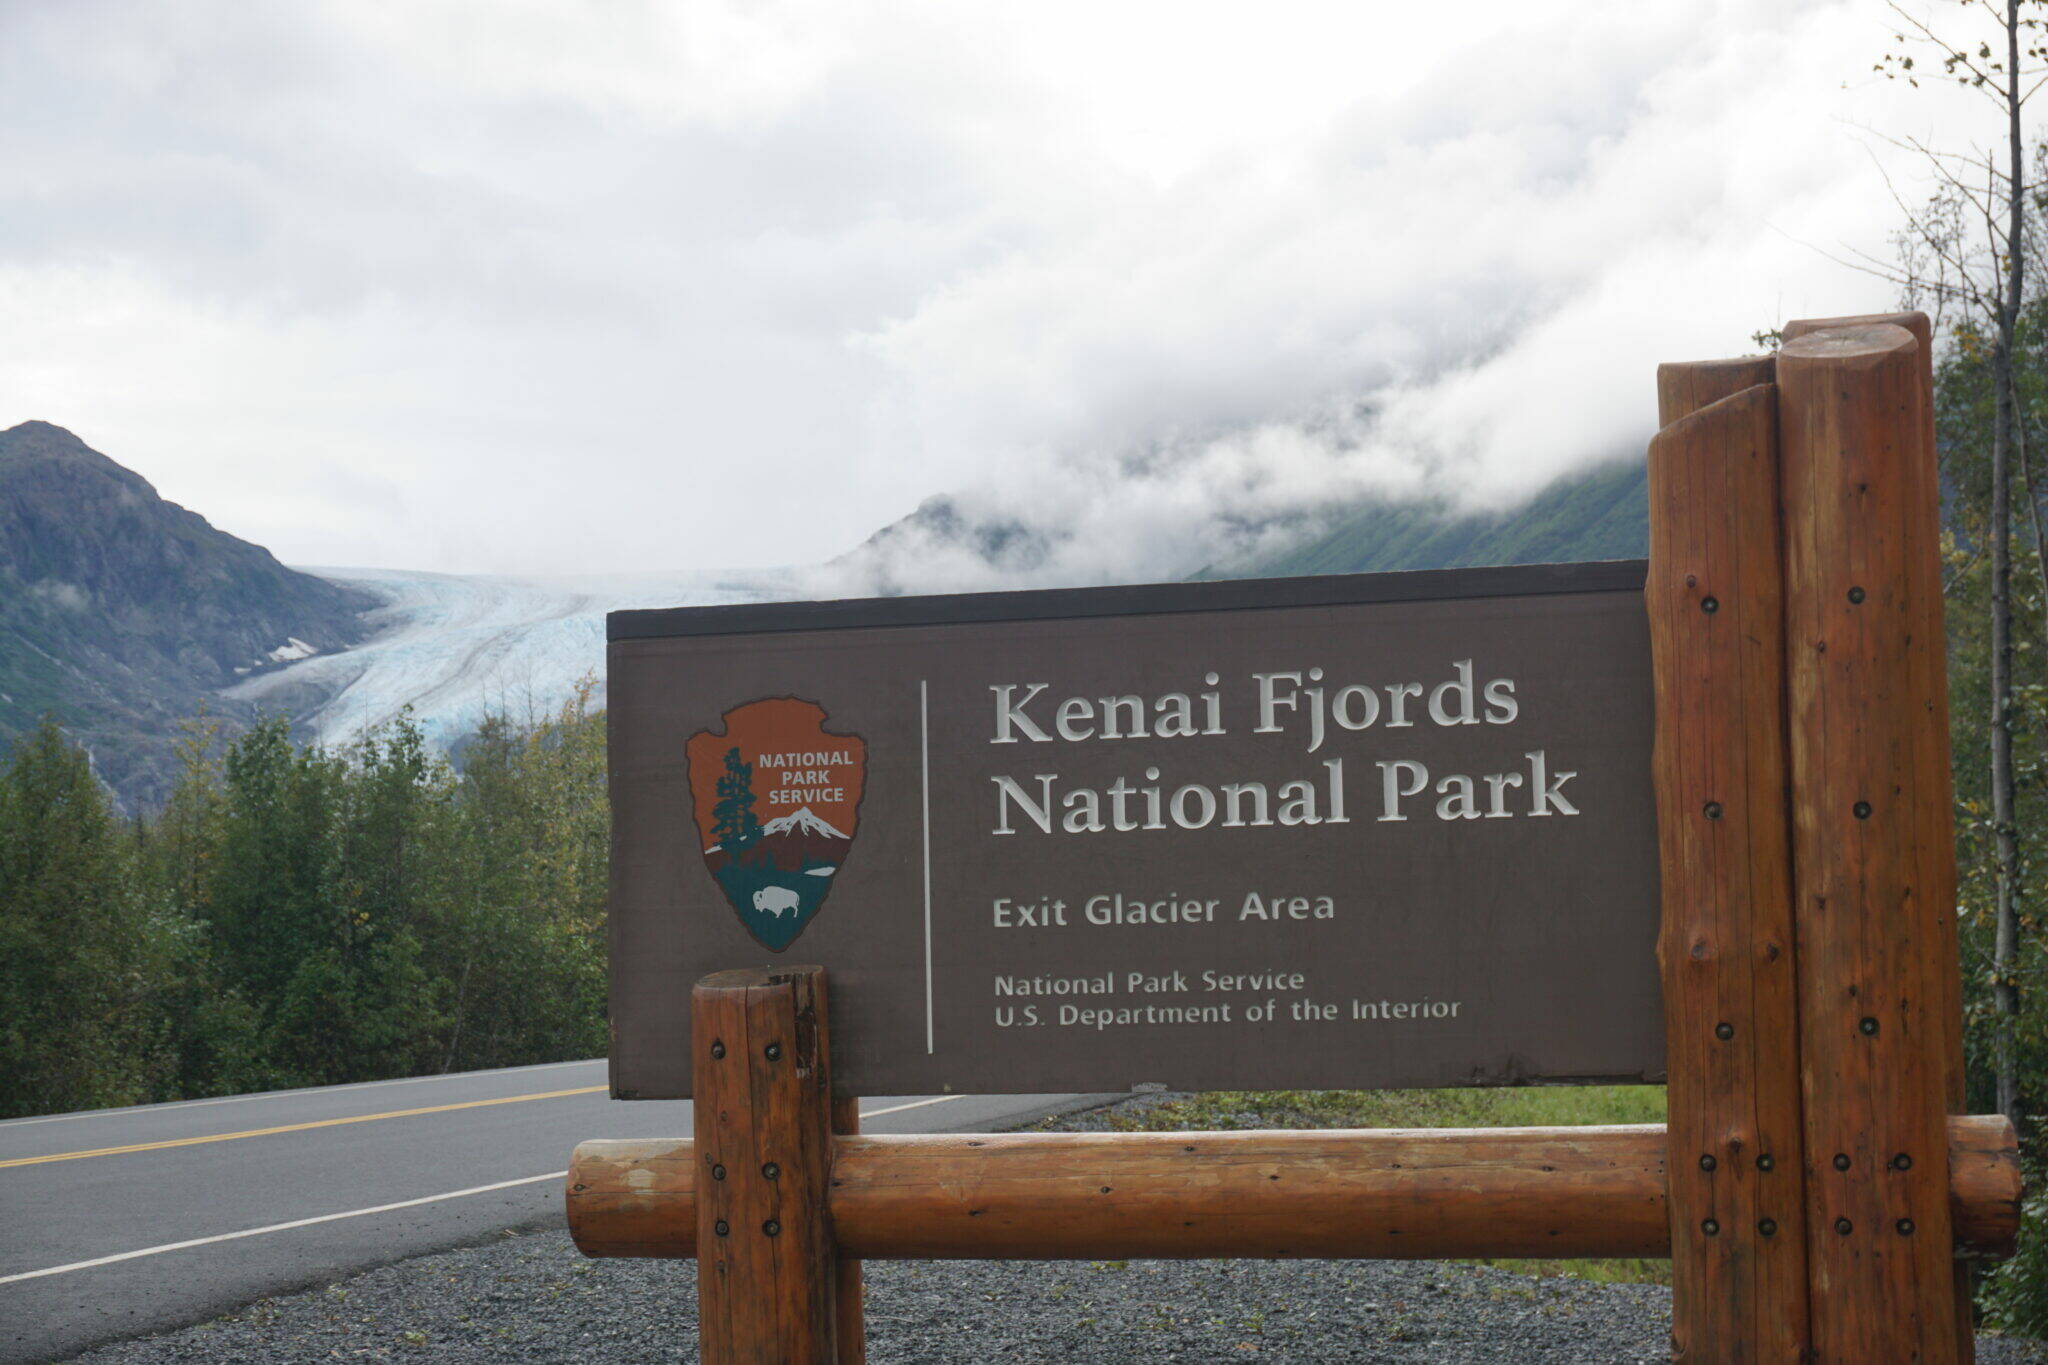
(535, 288)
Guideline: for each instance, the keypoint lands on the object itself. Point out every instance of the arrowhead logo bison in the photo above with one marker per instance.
(777, 801)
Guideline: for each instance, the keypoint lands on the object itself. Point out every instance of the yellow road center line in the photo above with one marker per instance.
(299, 1127)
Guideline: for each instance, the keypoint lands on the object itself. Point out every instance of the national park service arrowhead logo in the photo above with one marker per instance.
(777, 801)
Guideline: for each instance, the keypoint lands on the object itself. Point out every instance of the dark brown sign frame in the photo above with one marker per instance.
(1221, 902)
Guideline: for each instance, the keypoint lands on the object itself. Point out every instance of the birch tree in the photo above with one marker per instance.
(1967, 254)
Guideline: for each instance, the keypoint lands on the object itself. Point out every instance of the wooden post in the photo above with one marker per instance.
(1687, 386)
(1930, 689)
(853, 1321)
(766, 1274)
(1872, 843)
(1715, 601)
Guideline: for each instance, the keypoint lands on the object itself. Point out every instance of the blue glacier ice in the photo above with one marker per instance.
(455, 647)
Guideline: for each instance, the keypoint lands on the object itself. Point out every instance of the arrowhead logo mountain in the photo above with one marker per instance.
(777, 803)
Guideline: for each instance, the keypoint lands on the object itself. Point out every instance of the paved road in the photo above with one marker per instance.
(134, 1220)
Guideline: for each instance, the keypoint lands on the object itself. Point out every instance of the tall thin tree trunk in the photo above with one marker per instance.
(2029, 490)
(2005, 987)
(2004, 993)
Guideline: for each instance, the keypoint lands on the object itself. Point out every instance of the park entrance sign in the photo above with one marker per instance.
(1689, 818)
(1387, 830)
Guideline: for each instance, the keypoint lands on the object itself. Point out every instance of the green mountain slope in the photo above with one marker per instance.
(1602, 513)
(123, 613)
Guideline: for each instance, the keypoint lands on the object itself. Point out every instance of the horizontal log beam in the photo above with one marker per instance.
(1377, 1194)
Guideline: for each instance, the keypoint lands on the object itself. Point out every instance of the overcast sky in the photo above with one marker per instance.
(538, 287)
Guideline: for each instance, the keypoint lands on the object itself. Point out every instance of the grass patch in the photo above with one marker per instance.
(1501, 1107)
(1516, 1107)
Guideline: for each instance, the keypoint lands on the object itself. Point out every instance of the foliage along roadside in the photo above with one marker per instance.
(299, 917)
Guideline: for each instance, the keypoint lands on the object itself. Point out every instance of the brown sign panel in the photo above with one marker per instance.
(1362, 831)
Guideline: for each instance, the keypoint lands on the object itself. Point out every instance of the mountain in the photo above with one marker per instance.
(802, 822)
(1602, 513)
(125, 614)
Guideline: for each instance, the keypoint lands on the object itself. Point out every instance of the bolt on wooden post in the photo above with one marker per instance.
(767, 1283)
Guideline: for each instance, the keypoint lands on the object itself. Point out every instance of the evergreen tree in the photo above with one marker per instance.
(80, 951)
(296, 916)
(734, 825)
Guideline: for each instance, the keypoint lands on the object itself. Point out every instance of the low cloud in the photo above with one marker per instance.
(1454, 298)
(533, 289)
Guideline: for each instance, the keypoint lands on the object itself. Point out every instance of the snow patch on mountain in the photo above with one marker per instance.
(457, 647)
(801, 821)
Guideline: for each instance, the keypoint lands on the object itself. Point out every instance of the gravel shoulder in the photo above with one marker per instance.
(531, 1297)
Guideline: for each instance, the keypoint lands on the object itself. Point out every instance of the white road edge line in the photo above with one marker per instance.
(361, 1213)
(284, 1094)
(899, 1108)
(279, 1227)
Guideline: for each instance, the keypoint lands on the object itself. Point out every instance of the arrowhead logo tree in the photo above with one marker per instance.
(777, 802)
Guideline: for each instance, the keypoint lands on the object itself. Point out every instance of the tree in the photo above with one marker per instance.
(1967, 252)
(214, 1030)
(517, 938)
(301, 916)
(734, 824)
(80, 951)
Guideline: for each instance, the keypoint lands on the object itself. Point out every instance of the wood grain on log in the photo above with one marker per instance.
(1346, 1193)
(1684, 387)
(1929, 659)
(1716, 607)
(1872, 843)
(766, 1287)
(852, 1292)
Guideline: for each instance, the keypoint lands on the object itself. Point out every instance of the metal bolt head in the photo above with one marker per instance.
(773, 1052)
(1844, 1226)
(1905, 1227)
(718, 1172)
(1707, 1162)
(1710, 605)
(1724, 1031)
(1712, 810)
(1765, 1162)
(1841, 1161)
(771, 1170)
(717, 1050)
(1861, 810)
(1902, 1162)
(1767, 1226)
(721, 1227)
(771, 1227)
(1711, 1228)
(1867, 1025)
(1855, 594)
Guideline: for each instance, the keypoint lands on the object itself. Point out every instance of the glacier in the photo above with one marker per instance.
(457, 647)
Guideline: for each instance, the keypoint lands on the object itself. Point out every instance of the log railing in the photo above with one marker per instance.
(1406, 1194)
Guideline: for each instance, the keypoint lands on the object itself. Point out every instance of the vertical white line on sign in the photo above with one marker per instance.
(924, 737)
